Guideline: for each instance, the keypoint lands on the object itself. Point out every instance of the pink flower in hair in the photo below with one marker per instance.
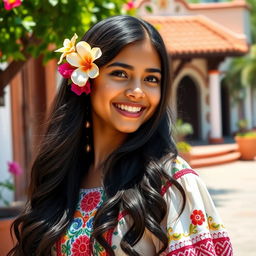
(79, 90)
(66, 70)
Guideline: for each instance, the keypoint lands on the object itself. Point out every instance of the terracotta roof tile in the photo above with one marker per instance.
(197, 35)
(215, 5)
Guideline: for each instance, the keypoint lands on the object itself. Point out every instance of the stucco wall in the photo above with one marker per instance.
(5, 140)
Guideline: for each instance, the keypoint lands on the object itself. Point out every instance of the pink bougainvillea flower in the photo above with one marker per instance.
(14, 168)
(68, 47)
(10, 4)
(83, 60)
(66, 70)
(129, 5)
(79, 90)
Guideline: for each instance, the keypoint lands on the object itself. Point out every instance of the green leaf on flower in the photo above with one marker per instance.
(177, 236)
(192, 229)
(149, 9)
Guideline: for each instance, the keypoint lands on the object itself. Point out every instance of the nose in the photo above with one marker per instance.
(135, 92)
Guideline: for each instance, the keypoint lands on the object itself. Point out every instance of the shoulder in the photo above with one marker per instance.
(178, 169)
(196, 223)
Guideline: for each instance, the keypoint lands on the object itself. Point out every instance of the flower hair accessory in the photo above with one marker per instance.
(79, 66)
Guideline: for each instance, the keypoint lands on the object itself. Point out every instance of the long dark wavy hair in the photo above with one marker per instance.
(132, 175)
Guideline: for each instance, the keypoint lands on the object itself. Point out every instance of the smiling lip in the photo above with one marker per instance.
(129, 109)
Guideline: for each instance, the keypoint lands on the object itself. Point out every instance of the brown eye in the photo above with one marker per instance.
(119, 73)
(152, 79)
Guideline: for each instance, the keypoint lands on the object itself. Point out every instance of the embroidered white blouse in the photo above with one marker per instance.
(198, 231)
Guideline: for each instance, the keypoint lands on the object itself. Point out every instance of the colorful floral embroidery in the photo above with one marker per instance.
(197, 217)
(76, 241)
(81, 247)
(90, 201)
(212, 225)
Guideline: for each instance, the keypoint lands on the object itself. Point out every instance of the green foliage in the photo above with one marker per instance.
(250, 134)
(248, 74)
(252, 4)
(7, 184)
(183, 147)
(37, 25)
(242, 125)
(242, 71)
(243, 131)
(182, 129)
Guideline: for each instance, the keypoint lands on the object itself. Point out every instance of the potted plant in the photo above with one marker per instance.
(246, 140)
(182, 129)
(8, 210)
(246, 144)
(184, 150)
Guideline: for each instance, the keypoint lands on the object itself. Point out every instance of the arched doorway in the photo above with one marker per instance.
(188, 107)
(225, 109)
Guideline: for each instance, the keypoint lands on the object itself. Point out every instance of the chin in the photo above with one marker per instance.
(128, 129)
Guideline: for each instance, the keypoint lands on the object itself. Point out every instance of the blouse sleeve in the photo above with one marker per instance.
(199, 229)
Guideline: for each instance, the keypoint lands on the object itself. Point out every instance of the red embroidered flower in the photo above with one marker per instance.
(90, 201)
(197, 217)
(81, 246)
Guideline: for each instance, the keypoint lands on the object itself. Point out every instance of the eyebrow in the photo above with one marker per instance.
(123, 65)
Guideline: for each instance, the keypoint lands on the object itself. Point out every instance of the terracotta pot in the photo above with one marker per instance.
(7, 216)
(247, 147)
(6, 241)
(186, 156)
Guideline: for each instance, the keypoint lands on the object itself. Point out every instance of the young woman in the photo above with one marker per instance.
(107, 179)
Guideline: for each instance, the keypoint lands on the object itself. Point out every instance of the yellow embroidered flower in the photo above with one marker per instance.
(68, 47)
(83, 59)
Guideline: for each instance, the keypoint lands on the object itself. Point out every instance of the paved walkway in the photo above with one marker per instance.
(233, 189)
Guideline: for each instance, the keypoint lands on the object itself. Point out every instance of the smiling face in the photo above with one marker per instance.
(127, 91)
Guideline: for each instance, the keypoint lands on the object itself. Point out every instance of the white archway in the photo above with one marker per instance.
(202, 93)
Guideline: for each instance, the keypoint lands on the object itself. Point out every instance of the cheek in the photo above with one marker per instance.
(155, 98)
(154, 102)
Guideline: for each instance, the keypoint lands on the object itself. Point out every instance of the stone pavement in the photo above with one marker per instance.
(233, 189)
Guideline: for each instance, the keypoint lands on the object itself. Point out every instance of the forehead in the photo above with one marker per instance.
(139, 53)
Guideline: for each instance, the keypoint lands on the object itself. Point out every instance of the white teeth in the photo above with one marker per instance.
(129, 108)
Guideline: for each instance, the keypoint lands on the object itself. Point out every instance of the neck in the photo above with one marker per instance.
(105, 141)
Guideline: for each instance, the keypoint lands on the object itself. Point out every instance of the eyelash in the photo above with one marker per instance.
(122, 74)
(156, 79)
(117, 73)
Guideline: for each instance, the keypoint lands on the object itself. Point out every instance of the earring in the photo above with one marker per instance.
(87, 132)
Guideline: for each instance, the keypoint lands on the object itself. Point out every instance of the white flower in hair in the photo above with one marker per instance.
(68, 47)
(83, 59)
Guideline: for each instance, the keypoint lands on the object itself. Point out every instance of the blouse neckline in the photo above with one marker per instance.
(91, 189)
